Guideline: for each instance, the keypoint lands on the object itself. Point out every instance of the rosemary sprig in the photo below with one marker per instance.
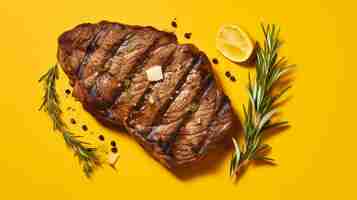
(86, 155)
(262, 98)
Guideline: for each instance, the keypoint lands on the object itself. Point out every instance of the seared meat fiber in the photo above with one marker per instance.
(176, 119)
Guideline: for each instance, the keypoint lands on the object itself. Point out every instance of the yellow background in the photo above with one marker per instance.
(316, 156)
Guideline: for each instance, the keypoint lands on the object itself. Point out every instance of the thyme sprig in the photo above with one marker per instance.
(86, 155)
(263, 96)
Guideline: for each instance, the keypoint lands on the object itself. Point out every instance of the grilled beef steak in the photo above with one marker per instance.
(176, 119)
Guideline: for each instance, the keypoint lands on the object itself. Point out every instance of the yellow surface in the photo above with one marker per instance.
(316, 157)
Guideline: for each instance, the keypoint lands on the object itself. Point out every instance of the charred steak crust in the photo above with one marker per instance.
(176, 119)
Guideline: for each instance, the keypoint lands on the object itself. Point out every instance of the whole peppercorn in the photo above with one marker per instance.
(84, 127)
(114, 150)
(215, 61)
(233, 79)
(101, 137)
(228, 74)
(174, 24)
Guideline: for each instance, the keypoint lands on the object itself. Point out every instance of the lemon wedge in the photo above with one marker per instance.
(234, 43)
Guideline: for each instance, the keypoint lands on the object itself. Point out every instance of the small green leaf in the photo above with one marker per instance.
(266, 118)
(126, 84)
(236, 158)
(276, 125)
(193, 107)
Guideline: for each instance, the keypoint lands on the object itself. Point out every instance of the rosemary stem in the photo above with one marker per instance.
(86, 155)
(258, 116)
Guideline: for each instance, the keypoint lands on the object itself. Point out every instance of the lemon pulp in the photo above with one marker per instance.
(234, 43)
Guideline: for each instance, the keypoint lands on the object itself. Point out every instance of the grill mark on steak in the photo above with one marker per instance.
(169, 131)
(89, 80)
(90, 49)
(139, 83)
(128, 56)
(114, 84)
(178, 89)
(222, 99)
(177, 53)
(221, 123)
(74, 47)
(101, 85)
(199, 69)
(102, 78)
(130, 53)
(172, 113)
(100, 69)
(161, 91)
(122, 85)
(166, 143)
(196, 128)
(107, 41)
(161, 40)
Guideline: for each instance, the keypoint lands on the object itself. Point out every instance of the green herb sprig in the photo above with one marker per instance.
(262, 99)
(86, 155)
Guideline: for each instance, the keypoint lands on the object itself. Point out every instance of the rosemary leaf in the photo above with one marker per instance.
(235, 159)
(276, 125)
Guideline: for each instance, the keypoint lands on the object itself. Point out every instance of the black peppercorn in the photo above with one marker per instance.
(73, 121)
(68, 91)
(113, 143)
(174, 24)
(114, 150)
(215, 61)
(101, 137)
(84, 127)
(187, 35)
(233, 79)
(228, 74)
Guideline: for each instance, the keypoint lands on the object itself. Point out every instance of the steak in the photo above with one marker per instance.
(177, 119)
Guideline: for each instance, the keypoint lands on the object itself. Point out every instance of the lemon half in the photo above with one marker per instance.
(234, 43)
